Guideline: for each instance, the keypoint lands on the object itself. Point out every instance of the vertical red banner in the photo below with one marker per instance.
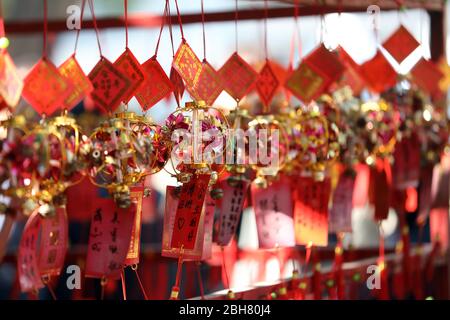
(109, 239)
(27, 260)
(134, 250)
(273, 211)
(202, 247)
(53, 247)
(189, 209)
(311, 212)
(340, 218)
(230, 209)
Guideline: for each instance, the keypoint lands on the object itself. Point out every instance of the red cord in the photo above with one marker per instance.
(225, 268)
(44, 49)
(125, 4)
(94, 20)
(203, 30)
(162, 26)
(2, 25)
(170, 27)
(124, 288)
(179, 21)
(236, 17)
(141, 285)
(266, 50)
(83, 3)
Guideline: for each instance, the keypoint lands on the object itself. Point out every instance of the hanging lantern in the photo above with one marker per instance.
(15, 181)
(44, 157)
(268, 147)
(197, 134)
(122, 154)
(318, 142)
(378, 125)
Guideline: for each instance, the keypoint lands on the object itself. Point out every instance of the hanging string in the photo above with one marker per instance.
(44, 49)
(124, 288)
(162, 27)
(200, 282)
(179, 21)
(266, 13)
(94, 20)
(381, 249)
(176, 288)
(140, 282)
(295, 36)
(224, 267)
(83, 3)
(2, 25)
(169, 17)
(236, 17)
(203, 30)
(125, 9)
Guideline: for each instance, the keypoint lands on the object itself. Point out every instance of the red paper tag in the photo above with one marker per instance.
(207, 232)
(327, 62)
(196, 253)
(230, 210)
(237, 76)
(406, 163)
(134, 250)
(401, 44)
(361, 190)
(156, 85)
(187, 64)
(307, 82)
(340, 219)
(351, 76)
(178, 85)
(45, 88)
(192, 197)
(11, 84)
(208, 86)
(426, 176)
(311, 212)
(53, 246)
(427, 76)
(71, 70)
(129, 66)
(27, 260)
(439, 226)
(109, 239)
(267, 84)
(378, 73)
(380, 188)
(273, 211)
(110, 85)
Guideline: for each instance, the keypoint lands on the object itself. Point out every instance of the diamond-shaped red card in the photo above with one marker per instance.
(208, 87)
(237, 76)
(187, 64)
(267, 84)
(82, 86)
(45, 88)
(10, 83)
(401, 44)
(110, 85)
(178, 84)
(156, 84)
(378, 73)
(326, 61)
(307, 82)
(427, 76)
(351, 76)
(130, 66)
